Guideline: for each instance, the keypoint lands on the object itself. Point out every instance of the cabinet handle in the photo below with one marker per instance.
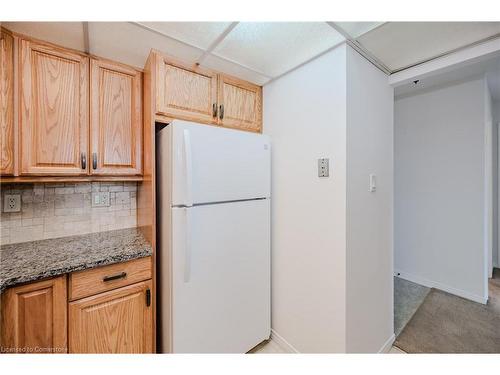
(115, 277)
(221, 111)
(94, 160)
(148, 297)
(84, 160)
(214, 110)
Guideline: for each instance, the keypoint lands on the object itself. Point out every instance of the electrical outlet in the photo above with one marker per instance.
(12, 203)
(323, 167)
(100, 199)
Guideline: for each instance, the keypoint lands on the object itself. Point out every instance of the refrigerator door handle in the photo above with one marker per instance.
(187, 244)
(188, 168)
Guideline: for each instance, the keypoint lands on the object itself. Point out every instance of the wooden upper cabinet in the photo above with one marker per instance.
(188, 92)
(34, 317)
(116, 119)
(118, 321)
(184, 92)
(240, 104)
(6, 103)
(53, 110)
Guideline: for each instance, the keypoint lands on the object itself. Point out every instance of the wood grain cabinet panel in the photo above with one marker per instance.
(101, 279)
(187, 93)
(6, 104)
(116, 120)
(242, 104)
(118, 321)
(53, 110)
(34, 317)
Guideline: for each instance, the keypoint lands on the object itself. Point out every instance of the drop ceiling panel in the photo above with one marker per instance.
(356, 29)
(198, 34)
(131, 44)
(66, 34)
(273, 48)
(402, 44)
(224, 66)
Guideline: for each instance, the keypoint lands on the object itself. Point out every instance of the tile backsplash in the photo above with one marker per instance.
(51, 210)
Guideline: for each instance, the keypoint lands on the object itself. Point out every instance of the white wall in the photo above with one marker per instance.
(488, 177)
(496, 111)
(496, 176)
(331, 239)
(439, 189)
(305, 115)
(495, 192)
(370, 129)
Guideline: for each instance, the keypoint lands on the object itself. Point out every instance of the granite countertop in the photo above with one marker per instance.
(31, 261)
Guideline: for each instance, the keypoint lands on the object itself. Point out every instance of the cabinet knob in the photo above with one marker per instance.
(214, 110)
(94, 160)
(221, 111)
(83, 159)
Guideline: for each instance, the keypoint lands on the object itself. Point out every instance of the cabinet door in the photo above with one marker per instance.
(35, 317)
(118, 321)
(116, 119)
(186, 93)
(6, 104)
(242, 104)
(53, 111)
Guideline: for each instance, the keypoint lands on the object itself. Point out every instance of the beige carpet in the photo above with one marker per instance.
(445, 323)
(408, 297)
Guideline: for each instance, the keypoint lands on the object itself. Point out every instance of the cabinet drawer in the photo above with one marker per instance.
(100, 279)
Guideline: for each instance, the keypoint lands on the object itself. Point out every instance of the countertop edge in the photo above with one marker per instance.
(120, 258)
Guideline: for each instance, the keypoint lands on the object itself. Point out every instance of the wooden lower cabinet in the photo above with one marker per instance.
(34, 317)
(117, 321)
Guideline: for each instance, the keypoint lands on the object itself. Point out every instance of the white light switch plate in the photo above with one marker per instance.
(372, 188)
(323, 167)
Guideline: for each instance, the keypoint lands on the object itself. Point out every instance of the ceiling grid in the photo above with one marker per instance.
(217, 41)
(264, 51)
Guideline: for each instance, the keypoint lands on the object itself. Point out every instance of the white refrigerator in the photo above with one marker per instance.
(213, 211)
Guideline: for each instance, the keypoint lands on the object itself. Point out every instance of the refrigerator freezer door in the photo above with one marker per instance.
(221, 277)
(212, 164)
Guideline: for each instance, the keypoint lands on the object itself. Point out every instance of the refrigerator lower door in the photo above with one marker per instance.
(221, 277)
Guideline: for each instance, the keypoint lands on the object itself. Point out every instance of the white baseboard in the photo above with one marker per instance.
(388, 344)
(282, 343)
(288, 348)
(434, 284)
